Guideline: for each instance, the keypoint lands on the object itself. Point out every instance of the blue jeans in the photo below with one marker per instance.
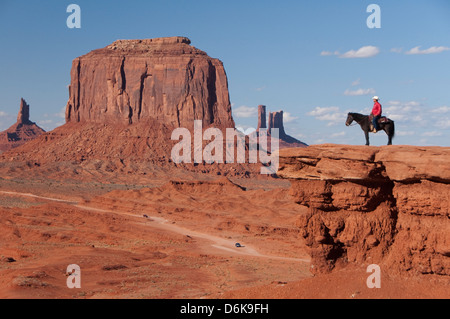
(375, 122)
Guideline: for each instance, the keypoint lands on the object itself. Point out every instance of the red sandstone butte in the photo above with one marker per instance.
(22, 131)
(165, 79)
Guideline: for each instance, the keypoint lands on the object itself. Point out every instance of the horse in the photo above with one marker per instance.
(364, 121)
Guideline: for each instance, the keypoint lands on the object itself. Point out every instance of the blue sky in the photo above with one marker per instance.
(316, 60)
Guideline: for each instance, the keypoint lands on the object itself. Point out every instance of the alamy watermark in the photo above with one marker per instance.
(74, 19)
(74, 276)
(374, 20)
(374, 280)
(214, 151)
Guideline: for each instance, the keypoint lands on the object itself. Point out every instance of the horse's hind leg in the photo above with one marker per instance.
(388, 132)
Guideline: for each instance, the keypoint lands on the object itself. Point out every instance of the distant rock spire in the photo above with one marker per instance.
(276, 121)
(261, 117)
(21, 132)
(24, 113)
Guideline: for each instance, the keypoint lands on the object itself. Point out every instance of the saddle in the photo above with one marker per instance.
(381, 121)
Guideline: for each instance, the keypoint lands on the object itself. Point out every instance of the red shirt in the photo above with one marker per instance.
(376, 109)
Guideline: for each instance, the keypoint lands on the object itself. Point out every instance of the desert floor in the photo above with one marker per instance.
(170, 240)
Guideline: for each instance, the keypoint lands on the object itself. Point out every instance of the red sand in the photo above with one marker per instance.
(184, 249)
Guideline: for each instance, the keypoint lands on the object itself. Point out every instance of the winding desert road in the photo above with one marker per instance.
(216, 242)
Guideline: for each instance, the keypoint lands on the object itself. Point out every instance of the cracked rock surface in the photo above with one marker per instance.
(383, 205)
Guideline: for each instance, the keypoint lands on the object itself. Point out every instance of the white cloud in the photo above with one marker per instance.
(359, 92)
(50, 121)
(405, 104)
(416, 114)
(403, 111)
(432, 134)
(319, 111)
(61, 113)
(364, 52)
(287, 117)
(357, 82)
(45, 122)
(443, 123)
(245, 111)
(417, 118)
(340, 134)
(6, 120)
(405, 133)
(319, 141)
(431, 50)
(441, 110)
(300, 136)
(328, 53)
(331, 114)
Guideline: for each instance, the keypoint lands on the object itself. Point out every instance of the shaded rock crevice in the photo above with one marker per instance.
(144, 76)
(123, 79)
(362, 209)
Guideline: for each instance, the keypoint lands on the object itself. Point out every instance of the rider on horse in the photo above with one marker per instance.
(376, 113)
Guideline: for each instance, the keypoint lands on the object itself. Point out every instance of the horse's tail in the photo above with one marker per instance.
(393, 129)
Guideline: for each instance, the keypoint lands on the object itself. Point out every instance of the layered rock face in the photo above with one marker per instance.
(383, 205)
(22, 131)
(24, 113)
(165, 79)
(276, 121)
(262, 120)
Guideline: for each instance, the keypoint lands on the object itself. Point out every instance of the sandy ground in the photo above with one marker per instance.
(123, 254)
(170, 240)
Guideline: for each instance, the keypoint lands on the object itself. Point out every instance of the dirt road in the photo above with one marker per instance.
(211, 241)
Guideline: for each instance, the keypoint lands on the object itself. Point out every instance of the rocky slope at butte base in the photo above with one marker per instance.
(125, 100)
(373, 205)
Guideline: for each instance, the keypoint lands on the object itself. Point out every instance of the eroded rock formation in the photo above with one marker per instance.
(22, 131)
(276, 121)
(382, 205)
(262, 119)
(165, 79)
(24, 113)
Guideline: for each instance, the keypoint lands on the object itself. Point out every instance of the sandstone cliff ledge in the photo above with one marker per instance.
(373, 205)
(165, 79)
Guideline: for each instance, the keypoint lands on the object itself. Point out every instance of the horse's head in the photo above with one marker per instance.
(350, 119)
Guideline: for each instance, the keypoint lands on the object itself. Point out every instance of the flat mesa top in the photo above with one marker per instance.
(127, 44)
(169, 46)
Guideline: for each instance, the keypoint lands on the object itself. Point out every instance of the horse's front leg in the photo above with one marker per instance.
(366, 133)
